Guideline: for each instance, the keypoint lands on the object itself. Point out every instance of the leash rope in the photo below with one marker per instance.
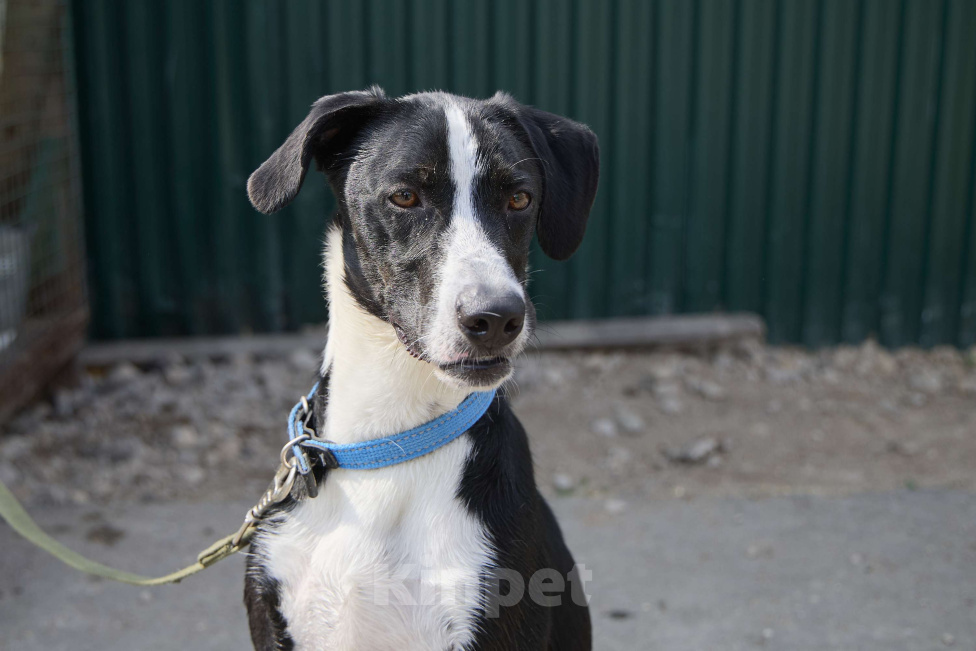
(302, 440)
(21, 522)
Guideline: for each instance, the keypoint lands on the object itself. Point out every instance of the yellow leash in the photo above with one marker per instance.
(18, 518)
(15, 515)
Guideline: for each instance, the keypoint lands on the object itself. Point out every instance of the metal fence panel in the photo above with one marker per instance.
(811, 160)
(43, 306)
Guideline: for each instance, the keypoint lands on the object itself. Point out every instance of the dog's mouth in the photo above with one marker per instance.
(478, 371)
(473, 371)
(475, 364)
(411, 347)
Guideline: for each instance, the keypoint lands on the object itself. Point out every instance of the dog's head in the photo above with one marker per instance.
(438, 199)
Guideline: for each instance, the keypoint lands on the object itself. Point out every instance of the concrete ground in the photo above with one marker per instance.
(742, 497)
(877, 571)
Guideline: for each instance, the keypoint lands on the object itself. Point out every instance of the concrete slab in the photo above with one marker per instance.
(875, 572)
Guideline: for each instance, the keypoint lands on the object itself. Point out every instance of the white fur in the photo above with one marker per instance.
(340, 559)
(470, 258)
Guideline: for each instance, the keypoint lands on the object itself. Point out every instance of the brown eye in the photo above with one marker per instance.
(519, 201)
(405, 198)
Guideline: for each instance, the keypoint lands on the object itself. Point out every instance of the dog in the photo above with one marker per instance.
(426, 266)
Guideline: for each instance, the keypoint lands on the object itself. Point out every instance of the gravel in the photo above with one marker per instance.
(604, 424)
(178, 429)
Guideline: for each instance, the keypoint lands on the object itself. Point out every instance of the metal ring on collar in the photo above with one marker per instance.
(283, 455)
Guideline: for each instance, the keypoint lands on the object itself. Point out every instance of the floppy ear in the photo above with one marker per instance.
(273, 185)
(570, 157)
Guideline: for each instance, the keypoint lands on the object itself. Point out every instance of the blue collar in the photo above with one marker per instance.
(387, 451)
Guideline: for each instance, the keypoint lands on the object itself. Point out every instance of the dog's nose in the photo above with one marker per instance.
(490, 320)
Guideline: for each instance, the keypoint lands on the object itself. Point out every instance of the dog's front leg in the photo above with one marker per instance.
(261, 597)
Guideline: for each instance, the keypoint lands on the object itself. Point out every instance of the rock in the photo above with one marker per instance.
(760, 550)
(39, 412)
(926, 381)
(229, 449)
(750, 350)
(723, 360)
(563, 483)
(120, 450)
(605, 427)
(241, 361)
(602, 362)
(665, 367)
(104, 534)
(192, 475)
(628, 420)
(13, 448)
(696, 453)
(967, 385)
(64, 403)
(902, 448)
(615, 506)
(619, 613)
(782, 375)
(185, 437)
(706, 388)
(948, 639)
(671, 406)
(303, 360)
(9, 475)
(872, 359)
(528, 375)
(969, 358)
(665, 389)
(761, 430)
(844, 358)
(177, 374)
(617, 458)
(918, 400)
(830, 376)
(946, 356)
(122, 373)
(888, 404)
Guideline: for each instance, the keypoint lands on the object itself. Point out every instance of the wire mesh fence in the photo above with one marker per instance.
(43, 306)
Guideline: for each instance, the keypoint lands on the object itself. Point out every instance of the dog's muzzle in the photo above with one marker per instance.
(488, 320)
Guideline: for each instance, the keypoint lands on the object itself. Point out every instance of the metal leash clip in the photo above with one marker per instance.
(305, 433)
(284, 481)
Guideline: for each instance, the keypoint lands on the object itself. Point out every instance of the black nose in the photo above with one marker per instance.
(488, 319)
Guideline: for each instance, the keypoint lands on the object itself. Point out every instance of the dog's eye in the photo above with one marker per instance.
(405, 198)
(519, 201)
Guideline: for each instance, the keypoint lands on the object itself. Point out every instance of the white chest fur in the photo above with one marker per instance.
(385, 559)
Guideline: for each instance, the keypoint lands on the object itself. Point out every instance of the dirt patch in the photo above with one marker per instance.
(751, 421)
(745, 420)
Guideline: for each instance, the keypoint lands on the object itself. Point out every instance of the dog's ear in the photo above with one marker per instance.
(332, 121)
(570, 158)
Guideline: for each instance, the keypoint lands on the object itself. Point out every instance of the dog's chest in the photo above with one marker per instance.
(382, 559)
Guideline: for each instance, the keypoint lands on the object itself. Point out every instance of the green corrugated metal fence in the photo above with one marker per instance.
(813, 161)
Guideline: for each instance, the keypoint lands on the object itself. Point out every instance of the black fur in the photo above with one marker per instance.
(262, 599)
(570, 156)
(499, 487)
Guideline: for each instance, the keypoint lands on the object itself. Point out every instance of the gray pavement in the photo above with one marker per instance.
(891, 572)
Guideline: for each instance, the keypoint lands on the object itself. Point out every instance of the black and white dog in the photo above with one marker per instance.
(426, 266)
